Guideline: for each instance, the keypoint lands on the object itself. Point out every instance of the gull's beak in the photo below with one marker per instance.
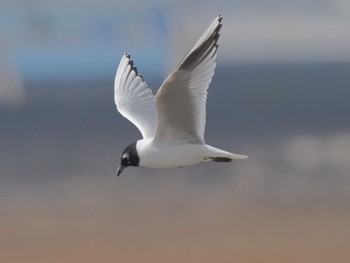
(120, 170)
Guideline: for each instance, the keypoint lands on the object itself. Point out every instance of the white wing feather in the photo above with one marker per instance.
(133, 98)
(181, 100)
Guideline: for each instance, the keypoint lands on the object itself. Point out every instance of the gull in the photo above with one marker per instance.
(172, 122)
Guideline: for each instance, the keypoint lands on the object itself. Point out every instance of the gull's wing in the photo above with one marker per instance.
(181, 100)
(133, 98)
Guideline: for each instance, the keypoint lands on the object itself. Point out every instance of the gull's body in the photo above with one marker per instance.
(172, 123)
(178, 155)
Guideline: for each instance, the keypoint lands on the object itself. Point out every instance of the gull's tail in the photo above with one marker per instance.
(218, 155)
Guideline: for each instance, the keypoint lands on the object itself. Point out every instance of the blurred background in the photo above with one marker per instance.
(280, 95)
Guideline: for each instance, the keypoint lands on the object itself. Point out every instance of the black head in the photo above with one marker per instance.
(129, 158)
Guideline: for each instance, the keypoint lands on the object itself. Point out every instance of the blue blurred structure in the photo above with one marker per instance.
(69, 43)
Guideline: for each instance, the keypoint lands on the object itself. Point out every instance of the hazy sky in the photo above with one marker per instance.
(254, 30)
(277, 30)
(77, 38)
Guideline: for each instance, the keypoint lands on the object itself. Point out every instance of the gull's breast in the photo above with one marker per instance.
(170, 156)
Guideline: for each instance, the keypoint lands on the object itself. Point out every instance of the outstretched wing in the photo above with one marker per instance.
(134, 99)
(181, 100)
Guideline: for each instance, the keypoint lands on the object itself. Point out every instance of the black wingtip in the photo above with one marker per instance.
(202, 51)
(220, 19)
(133, 67)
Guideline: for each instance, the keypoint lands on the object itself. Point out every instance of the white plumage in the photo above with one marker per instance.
(134, 99)
(172, 123)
